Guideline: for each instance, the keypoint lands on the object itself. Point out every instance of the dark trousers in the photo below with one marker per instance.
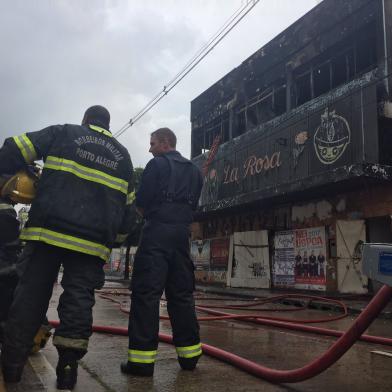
(162, 262)
(82, 274)
(7, 289)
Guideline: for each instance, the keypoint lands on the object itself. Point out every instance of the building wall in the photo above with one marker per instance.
(372, 205)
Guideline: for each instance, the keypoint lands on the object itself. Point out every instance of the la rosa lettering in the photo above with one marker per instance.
(253, 165)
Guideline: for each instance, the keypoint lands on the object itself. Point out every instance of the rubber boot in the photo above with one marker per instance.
(138, 369)
(188, 363)
(12, 373)
(12, 366)
(67, 367)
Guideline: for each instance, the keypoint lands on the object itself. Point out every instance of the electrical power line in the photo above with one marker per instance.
(234, 19)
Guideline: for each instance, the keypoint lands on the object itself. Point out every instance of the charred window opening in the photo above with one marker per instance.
(280, 100)
(225, 129)
(339, 70)
(251, 117)
(303, 88)
(240, 127)
(340, 64)
(365, 50)
(220, 126)
(321, 79)
(197, 142)
(260, 109)
(265, 108)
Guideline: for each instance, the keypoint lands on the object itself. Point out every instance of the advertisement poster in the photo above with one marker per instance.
(200, 254)
(220, 253)
(310, 258)
(283, 266)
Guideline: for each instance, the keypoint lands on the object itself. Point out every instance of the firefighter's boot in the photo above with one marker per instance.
(67, 368)
(138, 369)
(12, 373)
(12, 366)
(188, 363)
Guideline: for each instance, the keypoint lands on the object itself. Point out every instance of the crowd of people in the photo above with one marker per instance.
(82, 206)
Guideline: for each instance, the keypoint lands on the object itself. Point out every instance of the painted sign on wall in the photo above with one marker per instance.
(304, 144)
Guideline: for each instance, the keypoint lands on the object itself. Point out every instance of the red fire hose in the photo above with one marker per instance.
(337, 350)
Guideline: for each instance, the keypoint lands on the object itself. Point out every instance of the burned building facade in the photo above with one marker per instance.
(296, 148)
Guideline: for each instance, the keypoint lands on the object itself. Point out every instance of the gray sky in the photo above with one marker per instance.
(59, 57)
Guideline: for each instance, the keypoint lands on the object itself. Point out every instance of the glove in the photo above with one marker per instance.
(41, 338)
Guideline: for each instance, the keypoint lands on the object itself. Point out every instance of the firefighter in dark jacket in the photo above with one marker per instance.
(19, 188)
(168, 194)
(78, 213)
(9, 251)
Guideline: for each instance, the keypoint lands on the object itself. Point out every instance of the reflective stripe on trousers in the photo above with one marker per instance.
(140, 356)
(189, 351)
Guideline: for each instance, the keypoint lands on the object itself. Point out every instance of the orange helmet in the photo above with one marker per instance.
(21, 187)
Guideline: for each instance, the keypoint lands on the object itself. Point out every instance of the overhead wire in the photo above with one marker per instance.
(234, 19)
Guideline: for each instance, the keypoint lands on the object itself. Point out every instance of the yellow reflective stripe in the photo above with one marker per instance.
(189, 351)
(86, 173)
(26, 148)
(65, 241)
(78, 344)
(121, 237)
(131, 197)
(101, 130)
(6, 206)
(140, 356)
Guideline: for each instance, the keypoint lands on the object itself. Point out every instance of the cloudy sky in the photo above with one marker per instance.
(59, 57)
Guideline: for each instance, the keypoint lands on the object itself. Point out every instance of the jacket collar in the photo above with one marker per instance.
(101, 130)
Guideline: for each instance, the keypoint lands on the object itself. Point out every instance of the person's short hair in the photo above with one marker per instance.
(165, 135)
(97, 115)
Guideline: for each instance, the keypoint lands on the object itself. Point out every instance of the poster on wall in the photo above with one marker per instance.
(219, 253)
(200, 254)
(310, 258)
(250, 265)
(283, 265)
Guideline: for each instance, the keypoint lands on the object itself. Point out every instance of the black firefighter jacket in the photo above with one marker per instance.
(84, 190)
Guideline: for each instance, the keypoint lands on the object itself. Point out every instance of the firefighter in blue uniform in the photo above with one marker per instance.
(168, 194)
(77, 215)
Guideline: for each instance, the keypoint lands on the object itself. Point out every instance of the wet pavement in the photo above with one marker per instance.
(359, 370)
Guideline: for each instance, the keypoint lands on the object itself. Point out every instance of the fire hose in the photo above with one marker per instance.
(317, 366)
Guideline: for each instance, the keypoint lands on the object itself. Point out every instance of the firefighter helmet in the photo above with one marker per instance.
(21, 187)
